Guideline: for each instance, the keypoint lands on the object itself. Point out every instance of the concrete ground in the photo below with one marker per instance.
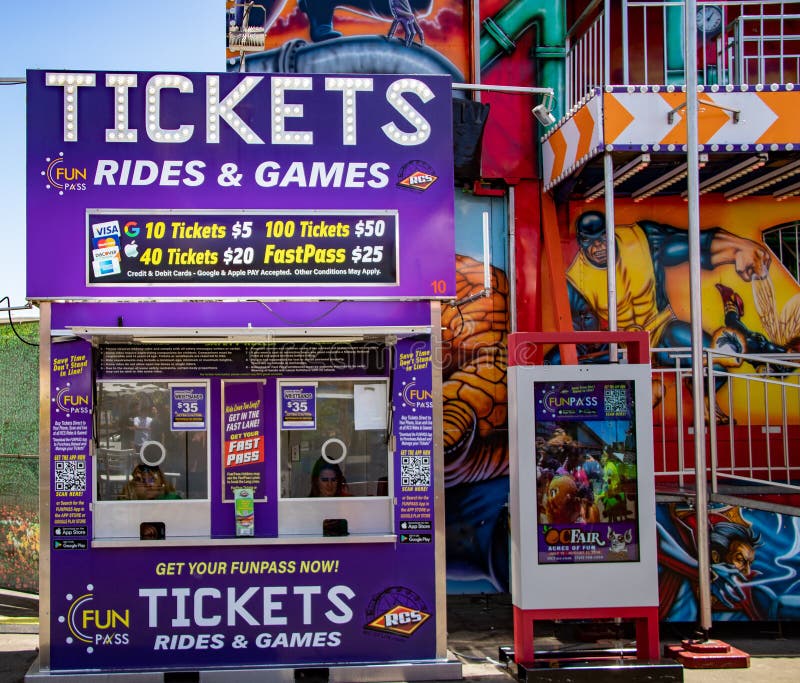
(19, 634)
(478, 628)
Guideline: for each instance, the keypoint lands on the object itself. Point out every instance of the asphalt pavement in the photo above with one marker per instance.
(481, 636)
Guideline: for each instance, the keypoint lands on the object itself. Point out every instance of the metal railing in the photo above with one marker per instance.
(642, 43)
(586, 58)
(752, 427)
(759, 445)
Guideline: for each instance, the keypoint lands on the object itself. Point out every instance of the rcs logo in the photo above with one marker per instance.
(398, 611)
(417, 175)
(401, 620)
(95, 627)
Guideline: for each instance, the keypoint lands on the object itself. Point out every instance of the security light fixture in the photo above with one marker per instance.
(544, 110)
(543, 115)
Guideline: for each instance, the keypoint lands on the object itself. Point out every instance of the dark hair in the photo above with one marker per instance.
(724, 533)
(319, 466)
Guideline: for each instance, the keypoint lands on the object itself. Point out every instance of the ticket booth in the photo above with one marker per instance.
(239, 281)
(582, 494)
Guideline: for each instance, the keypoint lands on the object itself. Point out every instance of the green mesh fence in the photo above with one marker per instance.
(19, 523)
(19, 390)
(19, 462)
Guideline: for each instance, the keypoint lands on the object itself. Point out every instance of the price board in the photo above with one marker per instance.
(188, 407)
(239, 186)
(298, 406)
(209, 248)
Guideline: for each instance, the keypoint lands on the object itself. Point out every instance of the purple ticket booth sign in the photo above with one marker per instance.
(187, 233)
(147, 185)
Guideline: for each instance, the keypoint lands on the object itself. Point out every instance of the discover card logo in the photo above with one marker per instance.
(105, 248)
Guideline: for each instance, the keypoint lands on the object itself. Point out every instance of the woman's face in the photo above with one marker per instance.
(327, 482)
(147, 484)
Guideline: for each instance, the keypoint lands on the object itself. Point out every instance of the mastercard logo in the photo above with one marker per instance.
(106, 242)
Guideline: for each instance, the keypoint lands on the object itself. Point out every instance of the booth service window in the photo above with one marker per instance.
(152, 441)
(334, 438)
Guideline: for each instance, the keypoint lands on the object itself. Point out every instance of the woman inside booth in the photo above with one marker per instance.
(327, 480)
(148, 482)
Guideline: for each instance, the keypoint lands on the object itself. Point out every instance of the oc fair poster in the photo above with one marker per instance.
(586, 472)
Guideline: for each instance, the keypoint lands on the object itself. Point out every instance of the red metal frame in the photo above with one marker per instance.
(527, 348)
(645, 618)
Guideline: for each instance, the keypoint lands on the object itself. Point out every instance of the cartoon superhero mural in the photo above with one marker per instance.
(652, 291)
(401, 13)
(352, 36)
(755, 567)
(750, 305)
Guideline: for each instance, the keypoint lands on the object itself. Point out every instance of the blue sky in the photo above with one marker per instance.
(130, 35)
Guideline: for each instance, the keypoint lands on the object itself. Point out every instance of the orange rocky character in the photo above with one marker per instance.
(474, 365)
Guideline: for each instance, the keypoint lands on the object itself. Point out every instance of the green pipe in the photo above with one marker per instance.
(549, 16)
(674, 44)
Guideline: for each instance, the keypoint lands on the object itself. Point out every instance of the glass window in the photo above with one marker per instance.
(784, 240)
(341, 449)
(144, 450)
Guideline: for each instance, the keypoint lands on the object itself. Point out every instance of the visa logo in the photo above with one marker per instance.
(105, 230)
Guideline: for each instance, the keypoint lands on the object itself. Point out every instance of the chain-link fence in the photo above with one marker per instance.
(19, 462)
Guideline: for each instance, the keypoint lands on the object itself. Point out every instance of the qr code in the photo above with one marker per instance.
(615, 399)
(71, 475)
(415, 471)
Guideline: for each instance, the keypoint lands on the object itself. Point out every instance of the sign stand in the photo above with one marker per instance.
(582, 493)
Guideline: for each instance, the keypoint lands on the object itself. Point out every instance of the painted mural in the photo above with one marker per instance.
(750, 305)
(755, 569)
(353, 36)
(475, 416)
(424, 36)
(751, 301)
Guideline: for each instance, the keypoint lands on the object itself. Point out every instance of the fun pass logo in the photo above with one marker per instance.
(94, 627)
(417, 175)
(557, 402)
(415, 396)
(67, 401)
(62, 177)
